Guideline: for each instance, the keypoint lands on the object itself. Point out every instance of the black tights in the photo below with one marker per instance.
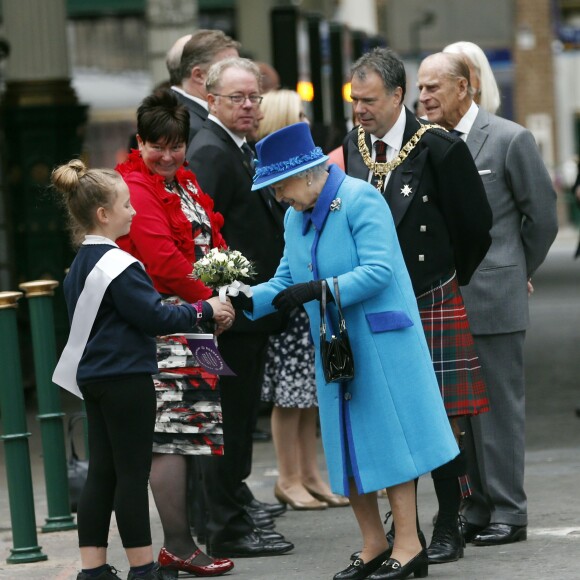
(121, 419)
(169, 487)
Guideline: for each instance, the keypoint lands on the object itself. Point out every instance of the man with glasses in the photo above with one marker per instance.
(223, 162)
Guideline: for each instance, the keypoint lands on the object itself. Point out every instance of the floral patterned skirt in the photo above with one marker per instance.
(189, 414)
(289, 373)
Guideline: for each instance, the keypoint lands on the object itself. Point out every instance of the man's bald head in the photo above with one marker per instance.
(173, 59)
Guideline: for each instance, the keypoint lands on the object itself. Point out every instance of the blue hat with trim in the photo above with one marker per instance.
(284, 153)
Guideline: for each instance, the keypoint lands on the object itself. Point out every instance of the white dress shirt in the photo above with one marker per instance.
(394, 141)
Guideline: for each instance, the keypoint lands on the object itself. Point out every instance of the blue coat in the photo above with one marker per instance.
(388, 425)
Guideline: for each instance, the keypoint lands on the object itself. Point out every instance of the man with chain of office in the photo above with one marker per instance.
(443, 219)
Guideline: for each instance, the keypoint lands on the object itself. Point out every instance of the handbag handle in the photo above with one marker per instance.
(341, 321)
(323, 311)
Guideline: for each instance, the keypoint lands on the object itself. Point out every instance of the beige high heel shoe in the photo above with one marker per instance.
(284, 498)
(332, 499)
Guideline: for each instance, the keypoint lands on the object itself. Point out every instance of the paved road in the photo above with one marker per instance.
(325, 539)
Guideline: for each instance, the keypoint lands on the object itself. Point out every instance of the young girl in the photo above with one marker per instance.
(110, 356)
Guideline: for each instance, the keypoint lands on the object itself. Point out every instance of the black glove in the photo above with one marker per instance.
(242, 302)
(297, 295)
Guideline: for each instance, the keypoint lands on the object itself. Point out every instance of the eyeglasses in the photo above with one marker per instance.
(241, 99)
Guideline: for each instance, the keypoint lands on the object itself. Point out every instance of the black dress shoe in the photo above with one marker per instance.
(447, 542)
(390, 535)
(261, 519)
(497, 534)
(392, 569)
(355, 555)
(269, 535)
(251, 545)
(358, 570)
(274, 509)
(265, 524)
(469, 531)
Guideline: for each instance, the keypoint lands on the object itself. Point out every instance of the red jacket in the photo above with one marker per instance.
(161, 236)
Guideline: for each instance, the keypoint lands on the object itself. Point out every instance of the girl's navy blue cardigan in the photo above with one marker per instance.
(122, 340)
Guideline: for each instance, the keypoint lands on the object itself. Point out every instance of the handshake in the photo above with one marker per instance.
(289, 298)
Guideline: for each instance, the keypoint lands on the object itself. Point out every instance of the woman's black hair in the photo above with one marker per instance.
(161, 117)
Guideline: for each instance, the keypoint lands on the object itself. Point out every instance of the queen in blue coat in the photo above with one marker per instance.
(386, 426)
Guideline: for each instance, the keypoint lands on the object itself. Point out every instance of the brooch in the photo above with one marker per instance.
(406, 190)
(335, 205)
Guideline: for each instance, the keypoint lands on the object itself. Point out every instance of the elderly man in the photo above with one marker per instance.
(443, 219)
(198, 53)
(523, 202)
(223, 162)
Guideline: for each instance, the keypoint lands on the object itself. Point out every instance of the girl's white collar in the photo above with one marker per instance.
(91, 240)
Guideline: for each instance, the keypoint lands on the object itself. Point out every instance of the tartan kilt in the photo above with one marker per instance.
(450, 342)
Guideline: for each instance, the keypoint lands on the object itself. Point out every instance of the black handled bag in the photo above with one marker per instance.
(77, 468)
(336, 354)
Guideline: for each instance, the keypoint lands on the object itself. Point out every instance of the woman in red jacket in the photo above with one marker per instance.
(174, 226)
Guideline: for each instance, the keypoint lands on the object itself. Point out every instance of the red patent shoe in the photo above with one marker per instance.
(216, 568)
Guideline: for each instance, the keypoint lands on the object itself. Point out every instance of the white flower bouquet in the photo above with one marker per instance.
(223, 269)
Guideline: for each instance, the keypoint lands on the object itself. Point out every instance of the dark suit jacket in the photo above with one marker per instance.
(254, 220)
(197, 114)
(444, 223)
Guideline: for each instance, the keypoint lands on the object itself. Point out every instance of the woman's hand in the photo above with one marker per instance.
(223, 313)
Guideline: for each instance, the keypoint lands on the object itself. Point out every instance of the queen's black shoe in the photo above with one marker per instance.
(358, 570)
(392, 569)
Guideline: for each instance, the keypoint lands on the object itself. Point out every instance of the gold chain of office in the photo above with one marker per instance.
(381, 169)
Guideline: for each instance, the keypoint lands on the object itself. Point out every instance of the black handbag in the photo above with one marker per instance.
(336, 354)
(77, 469)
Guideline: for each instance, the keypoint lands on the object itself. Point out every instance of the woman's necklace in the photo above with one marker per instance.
(381, 169)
